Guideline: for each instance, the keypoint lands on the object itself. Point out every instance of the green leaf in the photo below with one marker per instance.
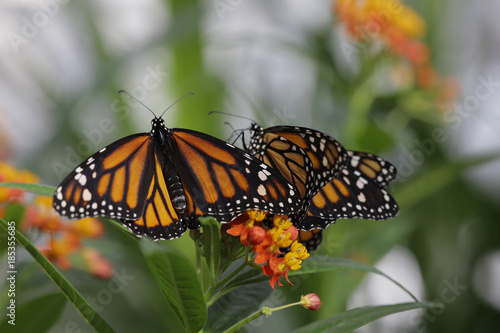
(315, 264)
(34, 188)
(318, 264)
(350, 320)
(179, 283)
(39, 315)
(211, 244)
(235, 306)
(87, 312)
(121, 227)
(247, 277)
(14, 212)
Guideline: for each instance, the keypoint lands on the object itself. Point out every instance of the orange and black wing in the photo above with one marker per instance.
(352, 195)
(125, 181)
(160, 220)
(290, 161)
(373, 167)
(310, 239)
(224, 181)
(114, 182)
(327, 155)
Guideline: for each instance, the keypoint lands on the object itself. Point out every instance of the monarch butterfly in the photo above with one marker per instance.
(158, 183)
(348, 184)
(281, 146)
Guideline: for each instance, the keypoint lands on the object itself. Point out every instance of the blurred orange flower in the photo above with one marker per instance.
(65, 237)
(398, 28)
(96, 264)
(9, 173)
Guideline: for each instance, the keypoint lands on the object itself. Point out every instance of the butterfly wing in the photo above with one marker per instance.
(310, 239)
(352, 195)
(290, 161)
(160, 219)
(123, 180)
(113, 182)
(224, 181)
(373, 167)
(327, 155)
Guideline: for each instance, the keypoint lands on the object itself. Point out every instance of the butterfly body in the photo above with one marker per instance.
(158, 183)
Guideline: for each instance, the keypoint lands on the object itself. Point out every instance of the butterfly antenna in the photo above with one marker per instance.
(185, 95)
(231, 114)
(237, 132)
(135, 99)
(231, 126)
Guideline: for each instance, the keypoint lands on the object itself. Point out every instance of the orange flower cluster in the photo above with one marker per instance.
(8, 173)
(390, 22)
(399, 28)
(65, 238)
(267, 243)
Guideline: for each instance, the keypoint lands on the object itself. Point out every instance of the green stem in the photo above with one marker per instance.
(285, 306)
(360, 101)
(357, 120)
(231, 275)
(264, 311)
(245, 321)
(75, 298)
(212, 290)
(199, 268)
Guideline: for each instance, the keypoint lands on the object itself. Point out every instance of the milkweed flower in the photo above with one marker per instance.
(267, 243)
(9, 173)
(397, 28)
(256, 235)
(59, 249)
(65, 238)
(96, 264)
(242, 225)
(389, 21)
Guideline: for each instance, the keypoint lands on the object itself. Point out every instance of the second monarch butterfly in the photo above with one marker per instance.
(158, 183)
(282, 146)
(349, 184)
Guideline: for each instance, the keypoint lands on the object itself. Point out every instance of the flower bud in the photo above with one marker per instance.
(256, 235)
(311, 301)
(294, 233)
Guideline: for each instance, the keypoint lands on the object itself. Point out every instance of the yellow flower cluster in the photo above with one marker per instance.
(267, 243)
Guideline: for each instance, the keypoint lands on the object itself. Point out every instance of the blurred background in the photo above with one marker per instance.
(425, 97)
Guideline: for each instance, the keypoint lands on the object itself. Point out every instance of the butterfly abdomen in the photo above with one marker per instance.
(176, 191)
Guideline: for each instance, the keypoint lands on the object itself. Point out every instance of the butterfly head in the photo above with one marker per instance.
(158, 130)
(256, 130)
(157, 125)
